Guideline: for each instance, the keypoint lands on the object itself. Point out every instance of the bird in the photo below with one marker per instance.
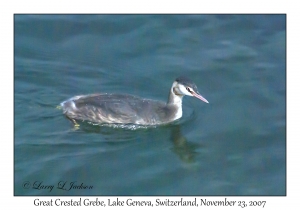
(114, 108)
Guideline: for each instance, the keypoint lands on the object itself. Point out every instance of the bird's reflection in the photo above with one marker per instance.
(184, 149)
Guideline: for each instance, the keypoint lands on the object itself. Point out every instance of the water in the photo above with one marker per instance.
(235, 145)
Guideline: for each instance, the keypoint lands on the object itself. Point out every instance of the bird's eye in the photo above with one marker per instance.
(188, 89)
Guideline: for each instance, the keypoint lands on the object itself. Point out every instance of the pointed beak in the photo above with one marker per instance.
(197, 95)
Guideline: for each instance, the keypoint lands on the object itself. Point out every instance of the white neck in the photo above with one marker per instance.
(175, 100)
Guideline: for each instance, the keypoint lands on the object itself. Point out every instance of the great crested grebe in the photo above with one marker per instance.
(127, 109)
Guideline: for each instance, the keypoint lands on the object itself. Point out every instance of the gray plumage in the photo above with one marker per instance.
(128, 109)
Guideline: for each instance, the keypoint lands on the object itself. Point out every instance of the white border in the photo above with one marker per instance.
(8, 8)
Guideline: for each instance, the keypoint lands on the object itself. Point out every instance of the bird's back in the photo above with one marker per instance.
(117, 108)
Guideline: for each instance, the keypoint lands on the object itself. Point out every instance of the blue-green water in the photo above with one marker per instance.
(235, 145)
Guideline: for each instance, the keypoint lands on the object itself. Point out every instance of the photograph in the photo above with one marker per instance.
(149, 105)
